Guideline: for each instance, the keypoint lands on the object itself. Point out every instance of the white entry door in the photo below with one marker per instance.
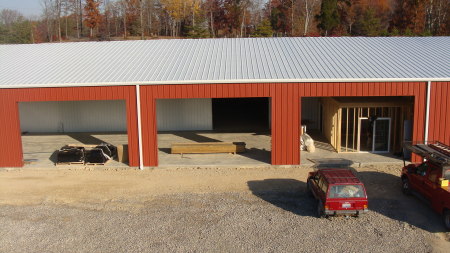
(381, 135)
(374, 136)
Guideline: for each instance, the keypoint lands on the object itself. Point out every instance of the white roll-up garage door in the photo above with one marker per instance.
(184, 114)
(73, 116)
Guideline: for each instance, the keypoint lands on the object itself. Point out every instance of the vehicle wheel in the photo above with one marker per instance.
(308, 188)
(447, 219)
(405, 186)
(320, 212)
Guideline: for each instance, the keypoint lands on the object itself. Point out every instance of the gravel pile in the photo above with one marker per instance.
(238, 222)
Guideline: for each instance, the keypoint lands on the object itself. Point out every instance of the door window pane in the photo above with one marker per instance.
(382, 134)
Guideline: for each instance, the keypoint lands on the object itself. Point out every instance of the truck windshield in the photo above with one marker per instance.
(346, 191)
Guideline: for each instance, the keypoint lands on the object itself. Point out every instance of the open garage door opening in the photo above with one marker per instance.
(212, 132)
(48, 126)
(359, 129)
(241, 114)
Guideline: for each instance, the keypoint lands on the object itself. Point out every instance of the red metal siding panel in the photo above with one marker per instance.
(446, 109)
(438, 108)
(132, 127)
(419, 113)
(11, 149)
(285, 124)
(433, 113)
(444, 127)
(439, 129)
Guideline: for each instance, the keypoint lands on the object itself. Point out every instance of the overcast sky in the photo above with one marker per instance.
(28, 8)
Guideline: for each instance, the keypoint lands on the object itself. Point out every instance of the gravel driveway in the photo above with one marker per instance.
(275, 215)
(208, 222)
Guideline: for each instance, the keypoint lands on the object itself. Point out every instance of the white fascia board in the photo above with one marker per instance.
(349, 80)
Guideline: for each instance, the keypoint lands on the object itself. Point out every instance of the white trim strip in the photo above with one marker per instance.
(427, 111)
(138, 107)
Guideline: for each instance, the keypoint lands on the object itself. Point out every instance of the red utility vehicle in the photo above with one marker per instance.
(430, 178)
(338, 192)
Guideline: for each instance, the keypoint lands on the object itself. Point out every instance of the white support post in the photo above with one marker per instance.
(138, 107)
(427, 111)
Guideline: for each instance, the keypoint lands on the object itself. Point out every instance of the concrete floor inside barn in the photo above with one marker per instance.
(39, 150)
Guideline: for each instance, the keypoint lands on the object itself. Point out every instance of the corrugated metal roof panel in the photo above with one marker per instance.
(225, 60)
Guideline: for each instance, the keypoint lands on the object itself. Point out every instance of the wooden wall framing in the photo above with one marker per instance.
(341, 128)
(330, 121)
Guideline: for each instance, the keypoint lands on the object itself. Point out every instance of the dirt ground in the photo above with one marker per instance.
(131, 191)
(79, 186)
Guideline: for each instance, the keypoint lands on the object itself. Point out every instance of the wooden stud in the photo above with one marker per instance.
(346, 133)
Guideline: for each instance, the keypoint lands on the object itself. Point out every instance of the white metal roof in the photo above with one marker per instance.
(317, 59)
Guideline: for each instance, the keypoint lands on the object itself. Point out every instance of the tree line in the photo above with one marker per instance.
(75, 20)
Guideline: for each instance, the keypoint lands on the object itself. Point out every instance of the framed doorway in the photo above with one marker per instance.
(374, 135)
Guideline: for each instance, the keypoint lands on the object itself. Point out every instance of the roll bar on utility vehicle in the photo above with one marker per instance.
(436, 152)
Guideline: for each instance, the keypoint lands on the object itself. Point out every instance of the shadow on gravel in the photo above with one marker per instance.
(386, 198)
(288, 194)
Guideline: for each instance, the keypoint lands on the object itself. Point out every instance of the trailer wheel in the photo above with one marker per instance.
(308, 188)
(405, 186)
(447, 219)
(320, 211)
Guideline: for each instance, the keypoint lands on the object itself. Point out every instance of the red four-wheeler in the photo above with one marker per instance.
(430, 178)
(338, 192)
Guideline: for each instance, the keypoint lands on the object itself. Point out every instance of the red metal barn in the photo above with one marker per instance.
(284, 70)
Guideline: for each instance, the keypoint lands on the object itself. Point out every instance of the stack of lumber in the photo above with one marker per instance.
(208, 147)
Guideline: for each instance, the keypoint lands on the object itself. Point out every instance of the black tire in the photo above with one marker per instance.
(308, 188)
(405, 186)
(320, 212)
(446, 216)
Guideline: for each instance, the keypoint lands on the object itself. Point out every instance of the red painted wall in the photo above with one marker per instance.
(10, 134)
(439, 128)
(285, 108)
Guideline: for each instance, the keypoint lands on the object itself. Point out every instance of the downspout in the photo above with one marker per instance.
(138, 107)
(427, 112)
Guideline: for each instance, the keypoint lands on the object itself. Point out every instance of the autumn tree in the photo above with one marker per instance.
(235, 16)
(181, 14)
(215, 15)
(438, 17)
(65, 19)
(364, 17)
(421, 16)
(280, 16)
(349, 12)
(92, 15)
(307, 8)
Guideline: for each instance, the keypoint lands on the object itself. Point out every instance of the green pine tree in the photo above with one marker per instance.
(370, 24)
(197, 31)
(20, 33)
(328, 17)
(264, 29)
